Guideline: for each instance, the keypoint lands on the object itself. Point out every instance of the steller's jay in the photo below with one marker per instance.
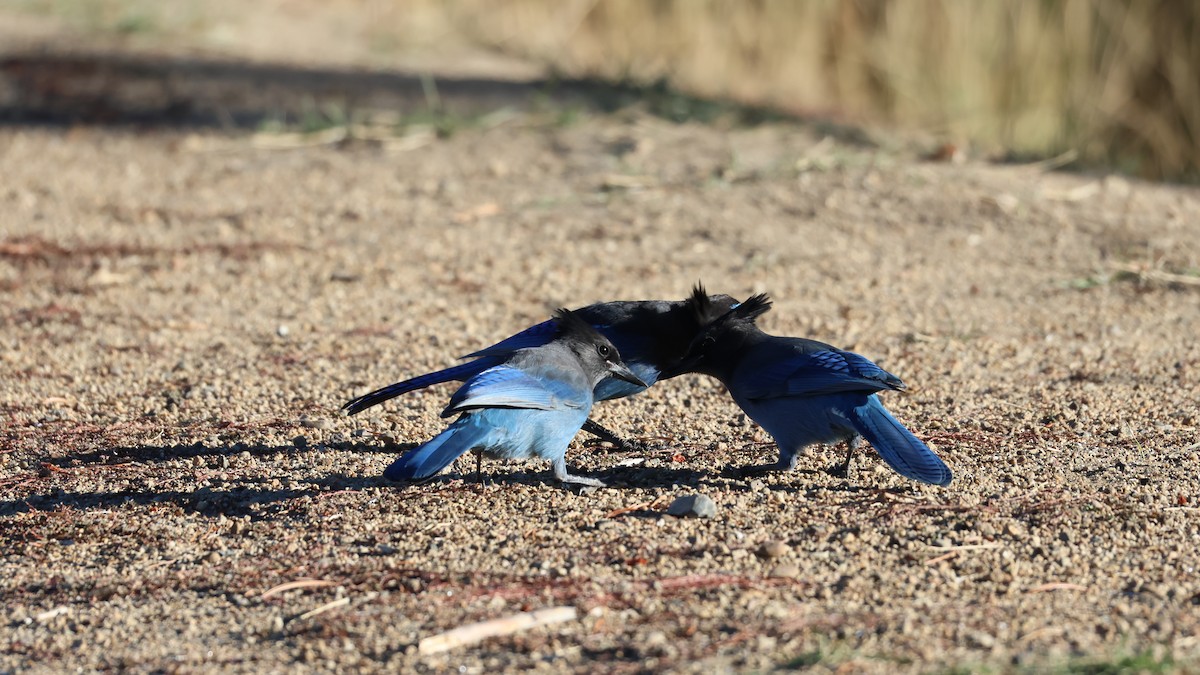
(649, 334)
(803, 391)
(531, 404)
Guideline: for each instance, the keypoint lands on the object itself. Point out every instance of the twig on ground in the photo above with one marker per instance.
(644, 506)
(940, 558)
(45, 616)
(1044, 631)
(477, 632)
(293, 585)
(334, 604)
(1146, 273)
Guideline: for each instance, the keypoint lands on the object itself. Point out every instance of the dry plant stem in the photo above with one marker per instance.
(333, 604)
(293, 585)
(476, 632)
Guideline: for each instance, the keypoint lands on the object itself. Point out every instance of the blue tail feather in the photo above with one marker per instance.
(459, 372)
(427, 459)
(902, 451)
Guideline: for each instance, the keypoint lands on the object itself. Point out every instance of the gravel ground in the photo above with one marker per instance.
(184, 313)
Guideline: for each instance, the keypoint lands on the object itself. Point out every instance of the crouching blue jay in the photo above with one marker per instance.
(803, 391)
(529, 404)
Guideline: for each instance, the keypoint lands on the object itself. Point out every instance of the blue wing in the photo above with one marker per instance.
(816, 373)
(534, 336)
(508, 387)
(542, 333)
(459, 372)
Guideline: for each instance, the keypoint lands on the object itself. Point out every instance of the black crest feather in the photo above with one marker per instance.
(702, 305)
(569, 323)
(754, 307)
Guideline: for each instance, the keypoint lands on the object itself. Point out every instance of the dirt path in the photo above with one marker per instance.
(184, 312)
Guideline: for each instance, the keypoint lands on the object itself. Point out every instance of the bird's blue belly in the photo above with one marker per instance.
(519, 433)
(795, 422)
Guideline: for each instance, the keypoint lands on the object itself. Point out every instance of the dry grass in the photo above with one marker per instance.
(1113, 80)
(1110, 80)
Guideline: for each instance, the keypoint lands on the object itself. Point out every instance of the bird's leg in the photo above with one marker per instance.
(479, 466)
(560, 472)
(786, 462)
(852, 444)
(608, 436)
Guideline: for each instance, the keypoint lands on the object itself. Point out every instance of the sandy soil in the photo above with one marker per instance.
(185, 311)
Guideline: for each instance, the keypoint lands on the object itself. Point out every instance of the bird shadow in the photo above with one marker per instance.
(220, 488)
(166, 453)
(614, 478)
(226, 489)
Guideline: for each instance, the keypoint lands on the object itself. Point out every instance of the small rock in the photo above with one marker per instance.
(315, 424)
(656, 639)
(282, 330)
(757, 484)
(785, 571)
(693, 506)
(212, 558)
(300, 441)
(981, 639)
(772, 549)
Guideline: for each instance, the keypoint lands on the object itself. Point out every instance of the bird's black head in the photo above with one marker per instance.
(717, 343)
(707, 308)
(599, 357)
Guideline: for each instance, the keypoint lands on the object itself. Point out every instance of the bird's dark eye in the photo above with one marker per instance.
(603, 351)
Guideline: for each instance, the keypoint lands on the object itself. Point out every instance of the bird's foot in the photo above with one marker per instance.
(608, 436)
(784, 463)
(570, 479)
(843, 470)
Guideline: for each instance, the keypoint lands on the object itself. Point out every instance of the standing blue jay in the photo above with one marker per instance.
(803, 391)
(530, 405)
(650, 334)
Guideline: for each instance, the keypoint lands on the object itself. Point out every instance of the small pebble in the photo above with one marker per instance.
(656, 639)
(282, 330)
(320, 423)
(785, 571)
(693, 506)
(300, 441)
(772, 549)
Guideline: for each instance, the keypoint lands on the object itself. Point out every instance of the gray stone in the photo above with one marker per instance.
(693, 506)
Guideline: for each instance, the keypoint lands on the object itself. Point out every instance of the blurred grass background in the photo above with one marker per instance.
(1115, 83)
